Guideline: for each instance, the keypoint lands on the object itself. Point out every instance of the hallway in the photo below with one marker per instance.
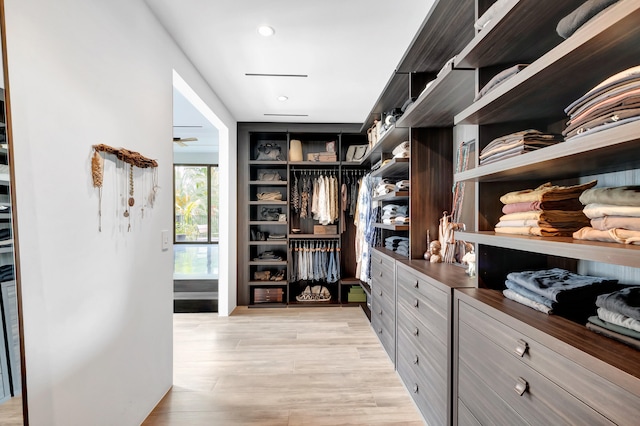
(294, 366)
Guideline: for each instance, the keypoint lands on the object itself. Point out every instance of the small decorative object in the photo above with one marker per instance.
(427, 253)
(133, 159)
(356, 153)
(330, 146)
(434, 250)
(295, 150)
(269, 152)
(470, 259)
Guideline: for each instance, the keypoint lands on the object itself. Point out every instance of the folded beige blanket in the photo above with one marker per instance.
(616, 235)
(546, 192)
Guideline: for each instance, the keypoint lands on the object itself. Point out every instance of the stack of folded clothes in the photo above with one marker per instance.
(581, 15)
(500, 78)
(547, 211)
(402, 150)
(618, 316)
(558, 291)
(384, 187)
(614, 214)
(517, 143)
(403, 185)
(613, 102)
(398, 244)
(393, 214)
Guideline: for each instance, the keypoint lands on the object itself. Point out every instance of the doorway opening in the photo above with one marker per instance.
(196, 141)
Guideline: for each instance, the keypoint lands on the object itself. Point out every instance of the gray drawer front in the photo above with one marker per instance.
(608, 399)
(383, 323)
(431, 351)
(541, 402)
(465, 417)
(429, 395)
(431, 313)
(415, 281)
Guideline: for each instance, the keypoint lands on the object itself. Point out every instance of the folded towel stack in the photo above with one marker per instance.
(516, 144)
(403, 185)
(398, 244)
(613, 102)
(614, 214)
(547, 211)
(618, 316)
(384, 187)
(558, 291)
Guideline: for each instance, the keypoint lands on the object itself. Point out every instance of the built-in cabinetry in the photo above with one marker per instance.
(485, 359)
(270, 232)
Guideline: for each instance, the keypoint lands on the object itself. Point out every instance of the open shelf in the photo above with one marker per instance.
(268, 283)
(267, 163)
(313, 236)
(607, 44)
(387, 142)
(610, 150)
(391, 227)
(268, 243)
(268, 182)
(395, 168)
(612, 253)
(266, 222)
(266, 202)
(268, 263)
(314, 163)
(393, 196)
(511, 29)
(395, 93)
(446, 96)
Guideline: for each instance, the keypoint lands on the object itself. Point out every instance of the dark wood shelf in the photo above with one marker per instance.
(595, 352)
(267, 202)
(269, 243)
(445, 275)
(268, 263)
(395, 93)
(391, 227)
(611, 150)
(268, 283)
(611, 253)
(392, 196)
(447, 28)
(446, 96)
(267, 163)
(269, 305)
(395, 168)
(314, 163)
(195, 295)
(511, 29)
(268, 182)
(391, 139)
(606, 45)
(267, 222)
(313, 236)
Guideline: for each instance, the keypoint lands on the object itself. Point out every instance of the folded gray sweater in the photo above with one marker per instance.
(570, 23)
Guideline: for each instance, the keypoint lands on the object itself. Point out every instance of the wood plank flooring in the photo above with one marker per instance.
(294, 366)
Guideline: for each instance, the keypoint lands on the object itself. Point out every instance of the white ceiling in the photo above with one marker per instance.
(348, 48)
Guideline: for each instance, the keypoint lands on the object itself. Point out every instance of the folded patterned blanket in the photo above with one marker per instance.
(618, 319)
(625, 301)
(523, 300)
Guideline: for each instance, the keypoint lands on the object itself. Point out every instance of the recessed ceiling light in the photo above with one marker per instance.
(266, 31)
(282, 98)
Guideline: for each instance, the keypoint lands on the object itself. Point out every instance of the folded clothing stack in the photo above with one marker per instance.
(6, 273)
(395, 214)
(547, 211)
(581, 15)
(384, 187)
(517, 143)
(398, 244)
(500, 78)
(403, 185)
(614, 214)
(558, 291)
(613, 102)
(402, 150)
(618, 316)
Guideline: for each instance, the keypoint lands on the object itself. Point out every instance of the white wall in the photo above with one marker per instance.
(96, 306)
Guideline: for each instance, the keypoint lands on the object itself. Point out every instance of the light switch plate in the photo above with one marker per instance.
(165, 240)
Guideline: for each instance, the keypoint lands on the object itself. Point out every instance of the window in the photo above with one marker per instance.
(196, 195)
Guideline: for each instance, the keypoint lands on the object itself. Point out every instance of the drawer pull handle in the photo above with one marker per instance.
(416, 359)
(380, 261)
(415, 388)
(415, 304)
(380, 273)
(521, 386)
(522, 347)
(380, 292)
(380, 312)
(416, 285)
(416, 331)
(379, 331)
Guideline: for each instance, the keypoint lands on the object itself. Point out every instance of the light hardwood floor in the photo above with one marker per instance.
(294, 366)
